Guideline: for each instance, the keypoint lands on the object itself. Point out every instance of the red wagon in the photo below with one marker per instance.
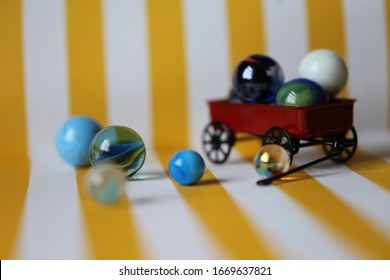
(329, 125)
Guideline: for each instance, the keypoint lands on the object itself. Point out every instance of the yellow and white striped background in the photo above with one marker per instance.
(151, 65)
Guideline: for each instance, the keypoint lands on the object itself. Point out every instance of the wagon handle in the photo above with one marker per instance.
(337, 149)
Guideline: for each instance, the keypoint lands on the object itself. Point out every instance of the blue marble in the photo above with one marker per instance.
(73, 139)
(186, 167)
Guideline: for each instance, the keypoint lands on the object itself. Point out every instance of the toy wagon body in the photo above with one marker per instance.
(329, 125)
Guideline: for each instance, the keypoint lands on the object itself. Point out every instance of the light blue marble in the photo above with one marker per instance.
(73, 139)
(186, 167)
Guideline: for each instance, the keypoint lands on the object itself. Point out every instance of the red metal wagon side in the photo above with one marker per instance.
(291, 127)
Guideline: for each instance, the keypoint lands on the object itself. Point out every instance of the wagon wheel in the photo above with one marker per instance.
(217, 142)
(346, 143)
(277, 135)
(295, 145)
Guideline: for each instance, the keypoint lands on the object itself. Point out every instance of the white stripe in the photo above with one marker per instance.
(286, 33)
(207, 54)
(169, 228)
(367, 62)
(51, 226)
(46, 77)
(127, 65)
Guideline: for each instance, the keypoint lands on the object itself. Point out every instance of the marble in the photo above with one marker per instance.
(73, 139)
(105, 184)
(271, 160)
(301, 92)
(120, 146)
(186, 167)
(326, 68)
(257, 78)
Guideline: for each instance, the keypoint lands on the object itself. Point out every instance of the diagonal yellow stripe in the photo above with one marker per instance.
(14, 163)
(14, 180)
(246, 29)
(222, 217)
(338, 217)
(210, 202)
(332, 211)
(325, 23)
(110, 230)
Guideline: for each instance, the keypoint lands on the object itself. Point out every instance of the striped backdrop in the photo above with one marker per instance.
(151, 65)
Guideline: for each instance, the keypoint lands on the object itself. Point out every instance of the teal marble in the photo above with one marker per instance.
(271, 160)
(186, 167)
(73, 139)
(118, 145)
(105, 184)
(301, 92)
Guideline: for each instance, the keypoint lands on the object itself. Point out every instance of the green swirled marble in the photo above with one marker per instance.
(301, 92)
(120, 146)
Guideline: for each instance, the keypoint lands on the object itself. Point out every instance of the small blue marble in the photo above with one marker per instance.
(73, 139)
(186, 167)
